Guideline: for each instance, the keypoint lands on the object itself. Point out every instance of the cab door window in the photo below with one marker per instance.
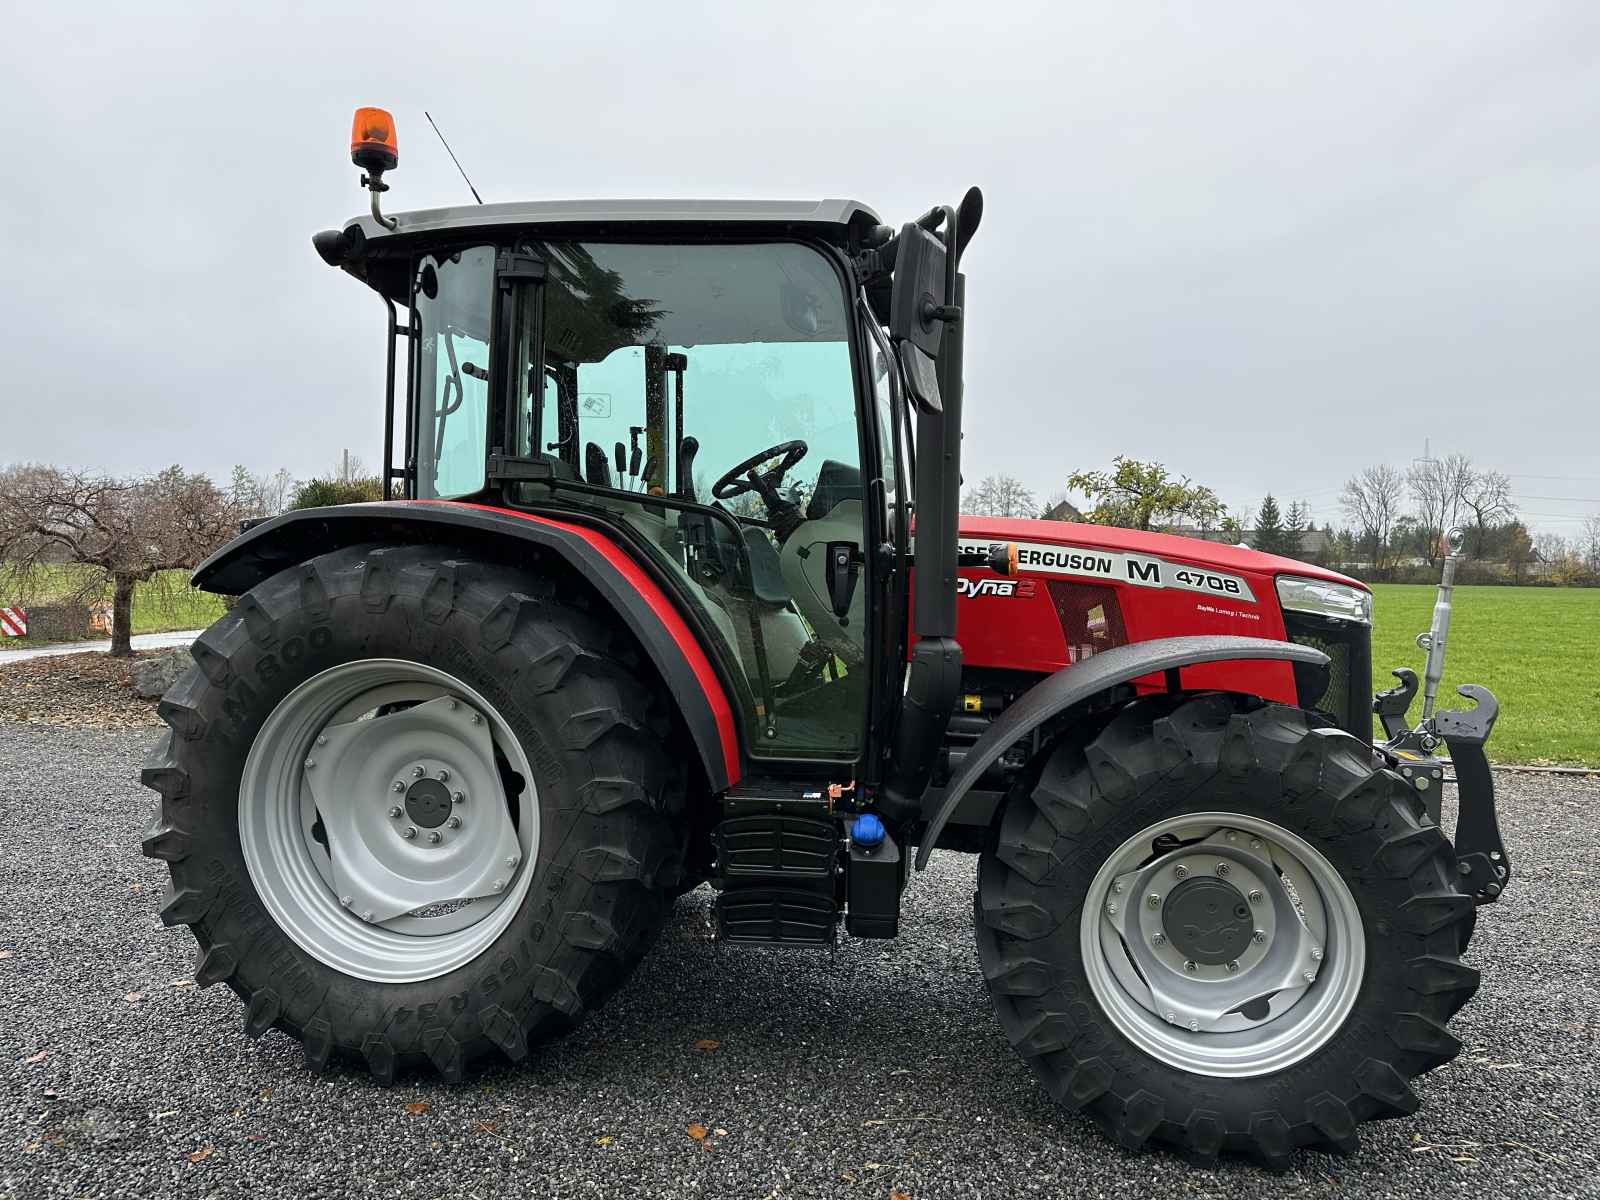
(454, 299)
(679, 371)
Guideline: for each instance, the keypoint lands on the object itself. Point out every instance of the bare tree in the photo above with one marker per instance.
(257, 495)
(1000, 496)
(117, 531)
(1486, 500)
(1373, 501)
(1588, 542)
(1437, 485)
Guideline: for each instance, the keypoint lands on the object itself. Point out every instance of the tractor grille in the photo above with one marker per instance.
(1091, 618)
(1343, 688)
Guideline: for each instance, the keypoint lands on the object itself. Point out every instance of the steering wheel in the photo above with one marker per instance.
(743, 478)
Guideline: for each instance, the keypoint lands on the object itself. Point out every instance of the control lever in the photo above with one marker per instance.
(686, 453)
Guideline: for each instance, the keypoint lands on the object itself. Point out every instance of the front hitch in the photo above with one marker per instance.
(1481, 862)
(1483, 870)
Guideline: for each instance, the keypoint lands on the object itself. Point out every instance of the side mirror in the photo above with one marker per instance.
(917, 299)
(918, 312)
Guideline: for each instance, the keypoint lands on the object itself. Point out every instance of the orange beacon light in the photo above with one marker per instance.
(373, 146)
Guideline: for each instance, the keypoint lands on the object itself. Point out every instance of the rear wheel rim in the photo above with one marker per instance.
(374, 821)
(1223, 944)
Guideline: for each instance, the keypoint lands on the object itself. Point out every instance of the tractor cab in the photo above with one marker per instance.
(709, 380)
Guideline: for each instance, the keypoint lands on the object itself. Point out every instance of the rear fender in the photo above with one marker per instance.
(1074, 684)
(698, 688)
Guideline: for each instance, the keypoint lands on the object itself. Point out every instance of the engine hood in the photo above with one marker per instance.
(1161, 545)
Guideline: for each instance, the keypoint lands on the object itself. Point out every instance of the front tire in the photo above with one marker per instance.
(1211, 924)
(417, 807)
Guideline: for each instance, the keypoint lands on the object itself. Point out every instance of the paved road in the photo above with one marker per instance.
(142, 641)
(884, 1065)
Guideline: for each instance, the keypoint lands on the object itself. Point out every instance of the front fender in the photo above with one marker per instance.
(1074, 684)
(699, 689)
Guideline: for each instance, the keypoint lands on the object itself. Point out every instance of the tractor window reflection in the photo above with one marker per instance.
(454, 293)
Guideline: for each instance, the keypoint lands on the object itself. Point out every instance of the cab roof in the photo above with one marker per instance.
(837, 214)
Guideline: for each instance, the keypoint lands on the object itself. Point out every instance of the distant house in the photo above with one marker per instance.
(1064, 511)
(1311, 540)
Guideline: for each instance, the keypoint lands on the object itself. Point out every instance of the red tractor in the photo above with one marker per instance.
(673, 589)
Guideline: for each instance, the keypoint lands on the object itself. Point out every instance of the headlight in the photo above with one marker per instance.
(1324, 598)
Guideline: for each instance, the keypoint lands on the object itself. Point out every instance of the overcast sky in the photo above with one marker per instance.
(1267, 244)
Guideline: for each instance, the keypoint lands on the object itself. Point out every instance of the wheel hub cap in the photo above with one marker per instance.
(1208, 921)
(428, 803)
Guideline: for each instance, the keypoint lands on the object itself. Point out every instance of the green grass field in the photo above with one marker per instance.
(1536, 649)
(165, 602)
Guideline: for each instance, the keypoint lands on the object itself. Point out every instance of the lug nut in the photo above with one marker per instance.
(1222, 868)
(1191, 966)
(454, 822)
(367, 916)
(1194, 1026)
(1159, 939)
(1316, 953)
(443, 776)
(511, 862)
(394, 810)
(417, 772)
(1111, 907)
(1311, 976)
(433, 838)
(1255, 897)
(457, 797)
(345, 900)
(1255, 843)
(1180, 871)
(452, 705)
(321, 741)
(1260, 935)
(1117, 886)
(408, 832)
(500, 884)
(1155, 900)
(399, 785)
(1233, 835)
(476, 718)
(1172, 1018)
(311, 762)
(1234, 965)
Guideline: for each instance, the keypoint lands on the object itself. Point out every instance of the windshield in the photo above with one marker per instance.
(721, 375)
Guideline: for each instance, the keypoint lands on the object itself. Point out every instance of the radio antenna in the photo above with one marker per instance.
(453, 157)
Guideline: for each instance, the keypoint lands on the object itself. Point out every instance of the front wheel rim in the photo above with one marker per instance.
(374, 821)
(1223, 944)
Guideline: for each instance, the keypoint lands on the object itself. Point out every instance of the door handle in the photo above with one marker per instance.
(844, 569)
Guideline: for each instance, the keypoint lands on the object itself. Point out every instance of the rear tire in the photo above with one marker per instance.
(1078, 1003)
(580, 746)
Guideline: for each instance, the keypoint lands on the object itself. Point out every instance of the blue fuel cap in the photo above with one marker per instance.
(867, 831)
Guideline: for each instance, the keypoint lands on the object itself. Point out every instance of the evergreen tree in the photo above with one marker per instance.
(1271, 537)
(1295, 526)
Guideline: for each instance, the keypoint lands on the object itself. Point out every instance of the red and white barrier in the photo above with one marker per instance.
(13, 622)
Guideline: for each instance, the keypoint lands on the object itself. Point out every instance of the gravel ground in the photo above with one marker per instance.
(90, 688)
(882, 1069)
